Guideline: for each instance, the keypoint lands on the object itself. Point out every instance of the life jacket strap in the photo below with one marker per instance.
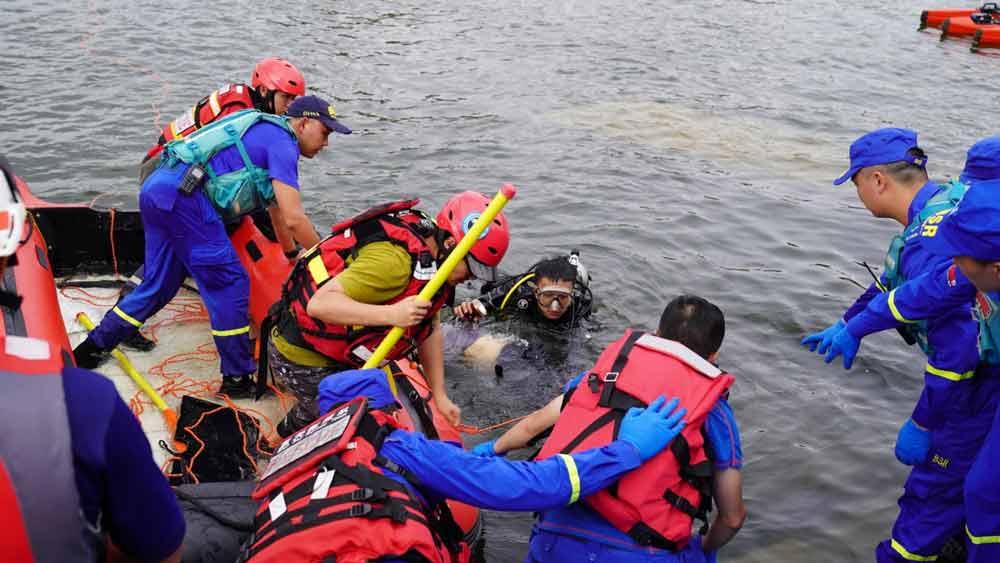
(646, 536)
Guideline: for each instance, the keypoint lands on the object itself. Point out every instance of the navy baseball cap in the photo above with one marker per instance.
(881, 146)
(972, 228)
(317, 108)
(983, 161)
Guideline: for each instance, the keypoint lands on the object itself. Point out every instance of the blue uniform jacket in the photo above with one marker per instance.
(952, 333)
(445, 470)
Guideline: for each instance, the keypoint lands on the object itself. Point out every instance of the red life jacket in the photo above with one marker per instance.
(324, 497)
(397, 223)
(222, 102)
(656, 503)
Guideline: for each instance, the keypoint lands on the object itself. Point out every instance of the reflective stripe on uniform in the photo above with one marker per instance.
(978, 540)
(126, 317)
(911, 556)
(950, 375)
(213, 101)
(574, 477)
(317, 269)
(895, 311)
(232, 331)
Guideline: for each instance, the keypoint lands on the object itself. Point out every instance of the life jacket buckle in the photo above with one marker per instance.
(362, 494)
(362, 509)
(611, 376)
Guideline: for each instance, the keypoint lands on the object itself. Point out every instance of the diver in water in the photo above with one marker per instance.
(548, 303)
(555, 292)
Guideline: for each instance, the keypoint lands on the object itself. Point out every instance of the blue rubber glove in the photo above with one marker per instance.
(485, 449)
(652, 428)
(913, 443)
(823, 338)
(843, 344)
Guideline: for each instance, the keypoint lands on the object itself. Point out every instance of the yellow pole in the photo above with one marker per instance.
(506, 193)
(168, 413)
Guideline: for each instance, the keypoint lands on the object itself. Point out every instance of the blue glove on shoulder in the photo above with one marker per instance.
(652, 428)
(845, 344)
(913, 443)
(822, 338)
(485, 449)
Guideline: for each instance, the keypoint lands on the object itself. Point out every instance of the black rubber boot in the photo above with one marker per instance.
(88, 355)
(138, 342)
(237, 387)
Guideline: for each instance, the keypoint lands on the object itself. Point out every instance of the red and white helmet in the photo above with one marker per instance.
(278, 74)
(457, 217)
(12, 212)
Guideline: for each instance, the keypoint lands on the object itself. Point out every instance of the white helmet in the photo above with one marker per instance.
(12, 212)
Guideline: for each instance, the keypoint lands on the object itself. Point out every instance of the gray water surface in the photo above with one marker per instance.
(682, 146)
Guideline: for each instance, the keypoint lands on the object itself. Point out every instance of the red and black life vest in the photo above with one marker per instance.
(222, 102)
(397, 223)
(324, 497)
(656, 503)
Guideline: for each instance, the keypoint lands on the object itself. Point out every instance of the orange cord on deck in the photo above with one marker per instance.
(467, 429)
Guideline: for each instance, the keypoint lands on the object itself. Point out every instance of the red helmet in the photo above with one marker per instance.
(457, 217)
(278, 74)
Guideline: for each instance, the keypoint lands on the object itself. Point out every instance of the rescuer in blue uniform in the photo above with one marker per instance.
(955, 408)
(185, 233)
(445, 470)
(971, 234)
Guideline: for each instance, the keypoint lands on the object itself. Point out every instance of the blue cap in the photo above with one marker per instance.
(972, 228)
(881, 146)
(983, 161)
(317, 108)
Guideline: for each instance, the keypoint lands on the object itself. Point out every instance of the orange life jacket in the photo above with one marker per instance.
(397, 223)
(324, 496)
(222, 102)
(656, 503)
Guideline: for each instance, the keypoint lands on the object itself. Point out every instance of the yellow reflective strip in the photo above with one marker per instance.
(231, 332)
(981, 539)
(574, 477)
(895, 311)
(317, 269)
(952, 375)
(125, 317)
(911, 556)
(213, 101)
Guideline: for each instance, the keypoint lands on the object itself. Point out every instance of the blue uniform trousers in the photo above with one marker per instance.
(184, 234)
(982, 500)
(549, 546)
(932, 510)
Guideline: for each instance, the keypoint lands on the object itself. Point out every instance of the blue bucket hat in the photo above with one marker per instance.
(972, 228)
(881, 146)
(316, 108)
(983, 161)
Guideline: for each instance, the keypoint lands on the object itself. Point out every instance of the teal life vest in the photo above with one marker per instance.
(936, 207)
(988, 316)
(235, 193)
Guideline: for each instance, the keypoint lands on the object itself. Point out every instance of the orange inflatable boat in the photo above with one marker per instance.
(112, 242)
(986, 38)
(934, 18)
(30, 275)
